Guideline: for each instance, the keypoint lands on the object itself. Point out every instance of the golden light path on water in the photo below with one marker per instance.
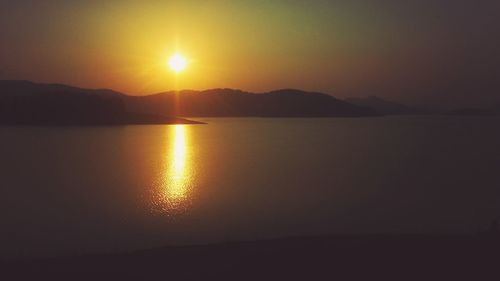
(175, 185)
(177, 188)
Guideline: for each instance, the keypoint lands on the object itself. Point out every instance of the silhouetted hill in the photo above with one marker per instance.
(28, 103)
(236, 103)
(385, 107)
(28, 89)
(477, 111)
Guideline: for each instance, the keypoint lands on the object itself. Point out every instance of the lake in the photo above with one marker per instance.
(67, 190)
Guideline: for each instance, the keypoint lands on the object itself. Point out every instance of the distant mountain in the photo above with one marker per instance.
(477, 111)
(493, 109)
(28, 103)
(236, 103)
(29, 88)
(385, 107)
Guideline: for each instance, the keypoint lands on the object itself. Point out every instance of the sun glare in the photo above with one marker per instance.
(177, 63)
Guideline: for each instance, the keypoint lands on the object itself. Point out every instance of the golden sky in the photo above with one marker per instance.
(341, 47)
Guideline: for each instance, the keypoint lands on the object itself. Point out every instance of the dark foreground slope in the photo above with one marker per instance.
(321, 258)
(235, 103)
(27, 103)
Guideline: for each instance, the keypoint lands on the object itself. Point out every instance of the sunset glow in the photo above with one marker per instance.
(346, 50)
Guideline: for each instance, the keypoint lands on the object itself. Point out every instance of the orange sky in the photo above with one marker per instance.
(355, 48)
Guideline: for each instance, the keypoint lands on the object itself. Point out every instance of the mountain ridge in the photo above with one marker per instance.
(386, 107)
(25, 103)
(216, 102)
(225, 102)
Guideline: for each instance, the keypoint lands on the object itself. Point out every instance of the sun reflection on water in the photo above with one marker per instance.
(176, 182)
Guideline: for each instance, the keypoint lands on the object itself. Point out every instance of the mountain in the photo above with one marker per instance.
(477, 111)
(236, 103)
(28, 103)
(385, 107)
(23, 88)
(488, 110)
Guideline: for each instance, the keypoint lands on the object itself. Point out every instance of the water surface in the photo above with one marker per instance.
(75, 190)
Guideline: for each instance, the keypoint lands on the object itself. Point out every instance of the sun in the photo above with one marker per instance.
(177, 63)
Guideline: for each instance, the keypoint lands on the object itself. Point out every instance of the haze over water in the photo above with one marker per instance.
(94, 189)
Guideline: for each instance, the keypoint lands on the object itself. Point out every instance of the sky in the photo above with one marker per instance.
(430, 52)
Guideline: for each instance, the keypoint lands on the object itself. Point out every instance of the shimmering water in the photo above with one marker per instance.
(73, 190)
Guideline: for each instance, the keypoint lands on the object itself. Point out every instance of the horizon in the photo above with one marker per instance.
(434, 107)
(180, 90)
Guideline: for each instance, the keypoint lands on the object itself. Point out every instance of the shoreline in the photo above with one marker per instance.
(294, 258)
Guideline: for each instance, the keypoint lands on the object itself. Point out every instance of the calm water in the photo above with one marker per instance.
(74, 190)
